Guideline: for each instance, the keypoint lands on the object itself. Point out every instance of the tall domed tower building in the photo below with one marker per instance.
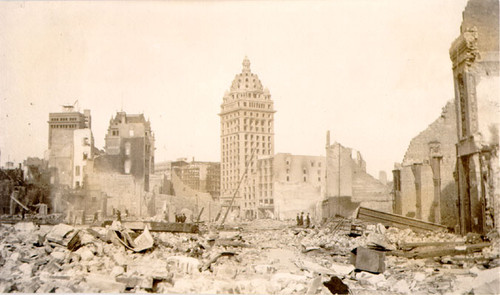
(247, 134)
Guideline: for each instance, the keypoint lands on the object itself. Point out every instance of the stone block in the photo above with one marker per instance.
(52, 266)
(105, 284)
(30, 287)
(63, 290)
(229, 235)
(366, 278)
(58, 256)
(85, 253)
(130, 281)
(147, 267)
(281, 280)
(15, 256)
(46, 288)
(265, 269)
(25, 226)
(117, 270)
(225, 271)
(120, 258)
(163, 287)
(314, 285)
(368, 260)
(188, 265)
(59, 232)
(26, 269)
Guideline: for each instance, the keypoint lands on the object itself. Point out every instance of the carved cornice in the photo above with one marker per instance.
(464, 48)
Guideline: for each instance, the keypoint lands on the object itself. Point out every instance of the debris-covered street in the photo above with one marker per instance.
(250, 147)
(262, 257)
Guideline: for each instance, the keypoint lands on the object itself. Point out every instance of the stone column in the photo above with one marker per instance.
(397, 205)
(436, 177)
(416, 169)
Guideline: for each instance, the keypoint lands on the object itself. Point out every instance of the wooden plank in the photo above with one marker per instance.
(162, 226)
(428, 244)
(441, 251)
(395, 220)
(17, 201)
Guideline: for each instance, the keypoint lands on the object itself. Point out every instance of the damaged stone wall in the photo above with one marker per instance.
(348, 183)
(436, 141)
(370, 192)
(293, 198)
(123, 192)
(61, 157)
(168, 206)
(475, 60)
(195, 200)
(339, 170)
(298, 184)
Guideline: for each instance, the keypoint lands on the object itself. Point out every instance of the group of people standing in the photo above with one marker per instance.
(300, 220)
(180, 218)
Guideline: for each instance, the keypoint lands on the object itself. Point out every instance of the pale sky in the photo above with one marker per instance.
(375, 73)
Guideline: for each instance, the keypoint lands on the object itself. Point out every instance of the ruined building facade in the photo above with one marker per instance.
(129, 148)
(297, 184)
(424, 186)
(247, 132)
(200, 176)
(348, 185)
(70, 146)
(475, 61)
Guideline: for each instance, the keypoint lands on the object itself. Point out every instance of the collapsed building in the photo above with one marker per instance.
(287, 184)
(121, 176)
(475, 62)
(424, 186)
(25, 189)
(349, 186)
(198, 175)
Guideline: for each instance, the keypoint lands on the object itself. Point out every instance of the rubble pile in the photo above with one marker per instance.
(265, 257)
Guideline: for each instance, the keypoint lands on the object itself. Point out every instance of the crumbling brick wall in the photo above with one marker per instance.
(437, 140)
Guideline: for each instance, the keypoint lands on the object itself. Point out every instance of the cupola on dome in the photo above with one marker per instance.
(246, 80)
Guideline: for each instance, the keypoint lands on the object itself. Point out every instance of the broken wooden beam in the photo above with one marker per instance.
(441, 251)
(395, 220)
(174, 227)
(409, 246)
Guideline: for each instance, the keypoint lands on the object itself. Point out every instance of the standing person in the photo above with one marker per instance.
(308, 221)
(118, 215)
(298, 219)
(301, 218)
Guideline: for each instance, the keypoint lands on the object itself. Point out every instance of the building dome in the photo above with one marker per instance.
(246, 80)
